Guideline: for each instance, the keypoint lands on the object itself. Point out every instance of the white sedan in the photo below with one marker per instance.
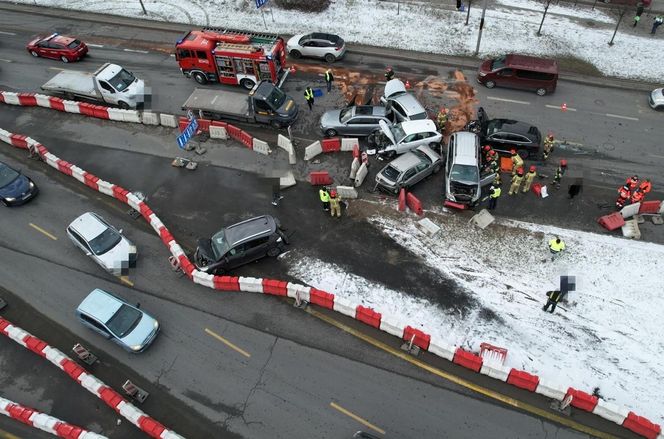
(103, 243)
(391, 140)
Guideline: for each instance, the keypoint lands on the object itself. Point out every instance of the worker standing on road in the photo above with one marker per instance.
(637, 196)
(389, 74)
(549, 143)
(632, 182)
(328, 79)
(559, 173)
(324, 198)
(645, 186)
(553, 299)
(487, 154)
(441, 119)
(657, 23)
(335, 204)
(528, 179)
(309, 96)
(624, 194)
(516, 182)
(556, 246)
(494, 167)
(517, 161)
(494, 194)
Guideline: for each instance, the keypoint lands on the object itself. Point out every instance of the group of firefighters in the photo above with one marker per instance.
(633, 191)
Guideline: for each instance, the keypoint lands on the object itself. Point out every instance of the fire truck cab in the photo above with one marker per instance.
(232, 57)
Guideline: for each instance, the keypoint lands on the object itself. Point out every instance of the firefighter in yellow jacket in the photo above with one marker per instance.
(517, 161)
(528, 179)
(516, 182)
(335, 203)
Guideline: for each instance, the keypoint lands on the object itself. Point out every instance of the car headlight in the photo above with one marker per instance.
(136, 347)
(279, 239)
(482, 74)
(31, 185)
(10, 199)
(156, 324)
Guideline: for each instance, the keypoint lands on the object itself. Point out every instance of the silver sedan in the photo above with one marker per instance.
(359, 121)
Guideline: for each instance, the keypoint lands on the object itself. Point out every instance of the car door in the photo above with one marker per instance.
(43, 49)
(507, 78)
(309, 48)
(407, 143)
(360, 126)
(95, 326)
(408, 177)
(420, 173)
(256, 249)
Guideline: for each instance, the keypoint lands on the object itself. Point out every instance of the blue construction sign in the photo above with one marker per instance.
(188, 133)
(260, 3)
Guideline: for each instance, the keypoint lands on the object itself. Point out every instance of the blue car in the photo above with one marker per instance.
(15, 188)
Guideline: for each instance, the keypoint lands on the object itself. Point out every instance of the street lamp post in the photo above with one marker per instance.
(546, 8)
(622, 14)
(479, 35)
(143, 7)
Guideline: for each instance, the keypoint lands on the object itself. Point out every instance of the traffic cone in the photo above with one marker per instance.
(407, 84)
(563, 107)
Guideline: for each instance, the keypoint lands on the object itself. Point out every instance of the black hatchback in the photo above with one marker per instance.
(240, 244)
(506, 134)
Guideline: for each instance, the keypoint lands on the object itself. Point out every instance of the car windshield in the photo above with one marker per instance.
(124, 320)
(398, 133)
(276, 98)
(422, 156)
(498, 63)
(345, 115)
(464, 173)
(74, 44)
(219, 244)
(122, 80)
(493, 126)
(108, 239)
(391, 173)
(7, 175)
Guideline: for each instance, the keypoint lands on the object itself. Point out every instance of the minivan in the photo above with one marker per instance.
(463, 183)
(521, 72)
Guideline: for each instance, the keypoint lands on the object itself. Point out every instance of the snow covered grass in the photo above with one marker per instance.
(606, 335)
(566, 32)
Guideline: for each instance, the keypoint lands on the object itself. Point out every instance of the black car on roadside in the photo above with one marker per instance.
(240, 244)
(506, 134)
(15, 188)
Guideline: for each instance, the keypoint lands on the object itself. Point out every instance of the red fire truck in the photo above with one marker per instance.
(232, 57)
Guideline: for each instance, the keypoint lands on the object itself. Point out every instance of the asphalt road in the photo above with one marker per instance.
(297, 365)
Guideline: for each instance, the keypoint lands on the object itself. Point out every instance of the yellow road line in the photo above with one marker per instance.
(6, 435)
(462, 382)
(227, 343)
(125, 280)
(362, 421)
(39, 229)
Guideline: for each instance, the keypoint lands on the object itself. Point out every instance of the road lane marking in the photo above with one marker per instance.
(135, 51)
(492, 98)
(39, 229)
(6, 435)
(6, 60)
(59, 69)
(460, 381)
(95, 45)
(617, 116)
(227, 343)
(7, 33)
(656, 156)
(557, 107)
(125, 280)
(362, 421)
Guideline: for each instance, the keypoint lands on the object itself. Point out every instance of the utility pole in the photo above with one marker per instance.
(468, 13)
(479, 35)
(546, 8)
(622, 14)
(143, 7)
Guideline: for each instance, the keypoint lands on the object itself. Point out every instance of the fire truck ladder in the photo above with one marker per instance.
(257, 38)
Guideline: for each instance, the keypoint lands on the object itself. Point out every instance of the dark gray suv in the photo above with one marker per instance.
(240, 244)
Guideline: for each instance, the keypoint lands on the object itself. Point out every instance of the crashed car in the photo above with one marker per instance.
(409, 169)
(240, 244)
(463, 180)
(357, 120)
(506, 134)
(391, 140)
(400, 104)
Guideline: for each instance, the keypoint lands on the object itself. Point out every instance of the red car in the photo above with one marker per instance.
(59, 47)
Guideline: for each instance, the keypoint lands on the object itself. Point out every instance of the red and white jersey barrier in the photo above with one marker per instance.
(389, 324)
(45, 422)
(112, 398)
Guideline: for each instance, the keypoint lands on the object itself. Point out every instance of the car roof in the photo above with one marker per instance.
(369, 110)
(409, 103)
(61, 39)
(531, 63)
(250, 229)
(515, 126)
(100, 305)
(88, 226)
(417, 126)
(405, 161)
(323, 36)
(465, 148)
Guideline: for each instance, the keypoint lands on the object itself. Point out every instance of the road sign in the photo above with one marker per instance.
(260, 3)
(188, 133)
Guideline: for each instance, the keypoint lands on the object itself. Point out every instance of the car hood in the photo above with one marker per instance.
(35, 41)
(16, 187)
(658, 95)
(142, 333)
(330, 118)
(485, 67)
(117, 259)
(294, 40)
(394, 87)
(387, 131)
(204, 248)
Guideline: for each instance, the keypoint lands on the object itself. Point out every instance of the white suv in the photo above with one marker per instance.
(463, 183)
(391, 140)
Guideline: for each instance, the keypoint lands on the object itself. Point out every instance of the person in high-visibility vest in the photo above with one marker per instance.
(309, 96)
(441, 119)
(645, 186)
(493, 196)
(624, 194)
(556, 245)
(328, 79)
(548, 146)
(559, 173)
(516, 182)
(517, 161)
(324, 198)
(553, 299)
(528, 179)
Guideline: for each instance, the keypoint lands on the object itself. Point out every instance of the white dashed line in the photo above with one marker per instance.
(135, 51)
(556, 107)
(95, 45)
(656, 156)
(6, 60)
(508, 100)
(7, 33)
(617, 116)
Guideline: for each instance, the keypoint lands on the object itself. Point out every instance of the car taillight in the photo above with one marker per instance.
(338, 48)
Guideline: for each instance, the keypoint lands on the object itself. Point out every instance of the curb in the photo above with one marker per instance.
(369, 316)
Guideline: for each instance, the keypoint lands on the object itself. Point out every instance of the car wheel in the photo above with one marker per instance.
(200, 78)
(541, 91)
(34, 53)
(274, 252)
(330, 58)
(64, 59)
(295, 54)
(247, 83)
(330, 133)
(123, 105)
(523, 153)
(489, 84)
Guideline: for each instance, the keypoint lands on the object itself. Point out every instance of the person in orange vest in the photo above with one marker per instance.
(516, 182)
(528, 179)
(645, 186)
(637, 196)
(624, 194)
(632, 182)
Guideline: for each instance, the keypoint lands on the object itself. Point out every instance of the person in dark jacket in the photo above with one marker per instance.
(553, 299)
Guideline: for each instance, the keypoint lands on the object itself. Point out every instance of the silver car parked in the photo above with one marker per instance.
(360, 120)
(103, 243)
(656, 99)
(408, 169)
(317, 45)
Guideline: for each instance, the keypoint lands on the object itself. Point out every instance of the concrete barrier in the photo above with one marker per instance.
(347, 192)
(354, 167)
(630, 210)
(287, 181)
(218, 132)
(149, 118)
(259, 146)
(168, 120)
(313, 150)
(285, 143)
(361, 175)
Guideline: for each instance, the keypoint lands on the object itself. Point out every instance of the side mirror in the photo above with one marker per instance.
(120, 231)
(138, 305)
